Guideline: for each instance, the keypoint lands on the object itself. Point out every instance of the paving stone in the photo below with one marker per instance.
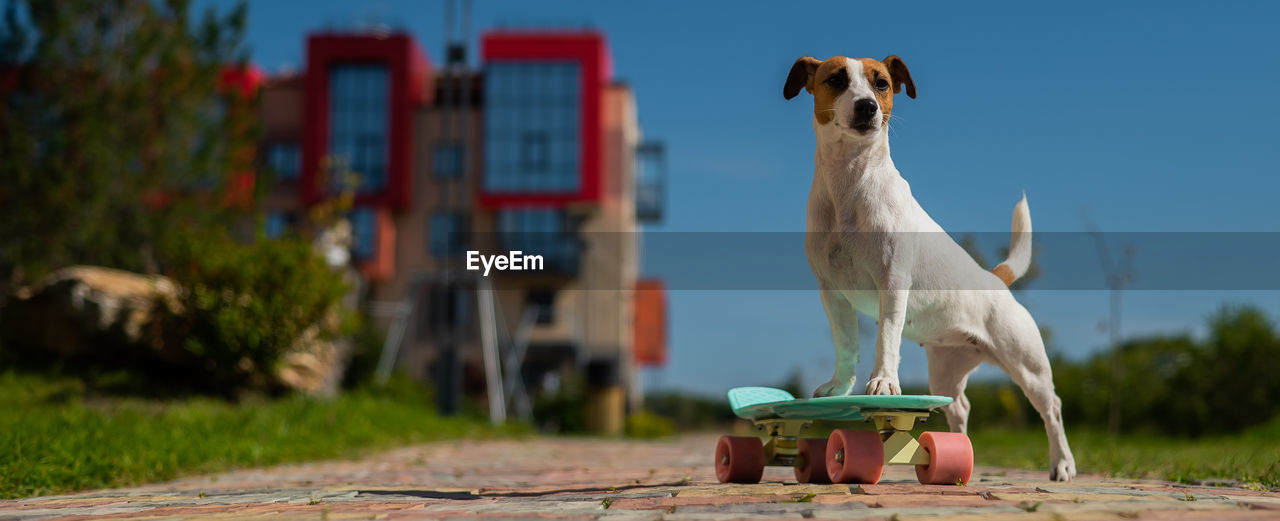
(763, 489)
(660, 503)
(753, 508)
(1259, 502)
(916, 488)
(922, 500)
(852, 499)
(1164, 492)
(631, 515)
(1185, 515)
(1071, 498)
(1019, 516)
(1136, 507)
(914, 512)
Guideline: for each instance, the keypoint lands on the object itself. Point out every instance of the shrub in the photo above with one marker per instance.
(243, 305)
(647, 425)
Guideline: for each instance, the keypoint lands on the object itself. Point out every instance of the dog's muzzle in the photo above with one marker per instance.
(864, 114)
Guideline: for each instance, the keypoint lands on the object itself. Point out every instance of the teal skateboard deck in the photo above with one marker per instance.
(760, 403)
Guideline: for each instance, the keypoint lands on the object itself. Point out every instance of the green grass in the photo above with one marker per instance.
(1250, 457)
(53, 439)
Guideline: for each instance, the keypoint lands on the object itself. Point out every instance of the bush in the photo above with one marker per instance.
(1168, 385)
(243, 305)
(690, 412)
(647, 425)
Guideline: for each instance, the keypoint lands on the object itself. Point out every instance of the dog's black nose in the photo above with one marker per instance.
(865, 108)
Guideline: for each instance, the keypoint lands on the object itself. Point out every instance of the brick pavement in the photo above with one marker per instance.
(561, 478)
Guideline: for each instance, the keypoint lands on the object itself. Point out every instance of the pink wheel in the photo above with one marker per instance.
(950, 459)
(739, 459)
(811, 464)
(854, 456)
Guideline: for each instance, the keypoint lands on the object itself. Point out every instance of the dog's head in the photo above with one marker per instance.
(855, 95)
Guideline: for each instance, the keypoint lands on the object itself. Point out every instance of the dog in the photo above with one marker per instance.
(875, 250)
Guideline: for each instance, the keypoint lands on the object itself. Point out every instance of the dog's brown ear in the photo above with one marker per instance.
(801, 76)
(900, 75)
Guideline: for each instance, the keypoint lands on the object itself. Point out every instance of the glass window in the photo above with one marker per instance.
(531, 127)
(651, 179)
(284, 158)
(535, 153)
(359, 109)
(448, 234)
(277, 224)
(540, 231)
(446, 161)
(364, 228)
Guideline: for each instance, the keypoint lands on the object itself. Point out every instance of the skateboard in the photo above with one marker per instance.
(821, 439)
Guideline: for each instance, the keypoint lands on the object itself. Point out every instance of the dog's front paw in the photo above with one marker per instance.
(883, 385)
(1063, 471)
(835, 387)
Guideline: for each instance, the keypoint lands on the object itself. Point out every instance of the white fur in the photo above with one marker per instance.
(875, 250)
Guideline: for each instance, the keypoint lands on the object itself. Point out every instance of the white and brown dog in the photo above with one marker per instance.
(875, 250)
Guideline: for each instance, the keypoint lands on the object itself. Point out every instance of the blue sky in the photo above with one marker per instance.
(1138, 116)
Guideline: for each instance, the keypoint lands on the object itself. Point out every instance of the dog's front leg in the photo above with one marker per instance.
(844, 332)
(893, 315)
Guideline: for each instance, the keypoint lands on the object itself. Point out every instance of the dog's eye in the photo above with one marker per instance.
(881, 84)
(836, 80)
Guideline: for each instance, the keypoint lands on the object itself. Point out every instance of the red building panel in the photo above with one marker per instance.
(382, 265)
(588, 50)
(650, 323)
(410, 87)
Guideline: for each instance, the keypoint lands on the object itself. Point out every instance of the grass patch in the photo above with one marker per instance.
(1250, 457)
(53, 438)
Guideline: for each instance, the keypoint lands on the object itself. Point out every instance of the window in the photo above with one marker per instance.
(541, 231)
(446, 307)
(278, 223)
(284, 159)
(448, 234)
(359, 107)
(535, 158)
(364, 229)
(651, 180)
(532, 127)
(446, 161)
(543, 303)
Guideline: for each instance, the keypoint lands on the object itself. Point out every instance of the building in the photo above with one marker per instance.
(537, 151)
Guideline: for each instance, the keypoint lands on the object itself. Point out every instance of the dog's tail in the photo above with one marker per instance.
(1019, 245)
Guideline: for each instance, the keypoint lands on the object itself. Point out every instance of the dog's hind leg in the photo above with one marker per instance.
(844, 332)
(1019, 350)
(949, 369)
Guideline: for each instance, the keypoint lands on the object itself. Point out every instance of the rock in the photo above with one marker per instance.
(314, 365)
(77, 309)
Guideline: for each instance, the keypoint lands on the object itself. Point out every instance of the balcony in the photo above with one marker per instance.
(651, 181)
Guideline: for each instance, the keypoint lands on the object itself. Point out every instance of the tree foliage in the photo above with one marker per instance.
(115, 129)
(123, 146)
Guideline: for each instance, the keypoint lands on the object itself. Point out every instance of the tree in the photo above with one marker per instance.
(116, 133)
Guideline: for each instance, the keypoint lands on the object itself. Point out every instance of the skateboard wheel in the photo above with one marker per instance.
(811, 464)
(739, 459)
(950, 459)
(854, 456)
